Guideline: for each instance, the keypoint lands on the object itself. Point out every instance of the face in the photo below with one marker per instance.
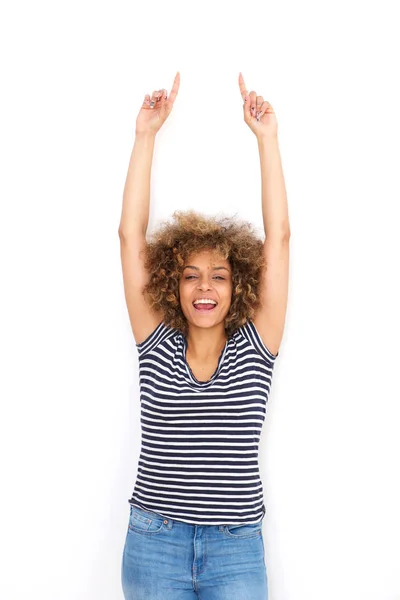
(206, 275)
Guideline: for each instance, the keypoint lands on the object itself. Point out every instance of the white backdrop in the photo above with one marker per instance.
(74, 76)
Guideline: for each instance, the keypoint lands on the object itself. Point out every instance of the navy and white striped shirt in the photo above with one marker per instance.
(199, 443)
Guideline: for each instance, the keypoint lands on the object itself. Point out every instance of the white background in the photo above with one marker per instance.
(74, 76)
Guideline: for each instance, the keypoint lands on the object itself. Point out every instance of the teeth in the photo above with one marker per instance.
(204, 301)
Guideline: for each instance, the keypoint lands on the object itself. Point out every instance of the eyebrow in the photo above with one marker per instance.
(197, 268)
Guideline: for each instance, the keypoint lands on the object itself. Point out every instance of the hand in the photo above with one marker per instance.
(154, 112)
(261, 120)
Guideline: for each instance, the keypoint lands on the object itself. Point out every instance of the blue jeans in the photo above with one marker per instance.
(165, 559)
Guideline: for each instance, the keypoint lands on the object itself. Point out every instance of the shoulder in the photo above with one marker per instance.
(249, 332)
(159, 336)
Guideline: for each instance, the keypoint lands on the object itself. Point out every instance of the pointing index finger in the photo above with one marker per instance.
(242, 86)
(175, 88)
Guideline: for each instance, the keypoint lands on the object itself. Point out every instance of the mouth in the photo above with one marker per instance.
(204, 307)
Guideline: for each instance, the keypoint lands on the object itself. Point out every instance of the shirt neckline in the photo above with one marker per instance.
(214, 375)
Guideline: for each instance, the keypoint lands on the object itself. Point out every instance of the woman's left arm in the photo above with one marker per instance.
(270, 316)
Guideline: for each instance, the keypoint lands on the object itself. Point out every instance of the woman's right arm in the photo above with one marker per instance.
(135, 210)
(132, 235)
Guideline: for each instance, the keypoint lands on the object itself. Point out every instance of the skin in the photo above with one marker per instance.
(206, 333)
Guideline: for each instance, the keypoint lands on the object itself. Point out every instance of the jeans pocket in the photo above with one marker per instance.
(244, 531)
(145, 522)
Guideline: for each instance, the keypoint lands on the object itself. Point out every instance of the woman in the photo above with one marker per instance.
(207, 303)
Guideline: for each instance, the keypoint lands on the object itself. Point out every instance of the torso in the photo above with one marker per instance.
(239, 397)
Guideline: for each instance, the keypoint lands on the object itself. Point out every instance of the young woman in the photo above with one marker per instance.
(207, 302)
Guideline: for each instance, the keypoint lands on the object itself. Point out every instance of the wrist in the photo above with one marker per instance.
(145, 135)
(270, 138)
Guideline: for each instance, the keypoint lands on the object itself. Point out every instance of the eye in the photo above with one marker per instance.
(216, 277)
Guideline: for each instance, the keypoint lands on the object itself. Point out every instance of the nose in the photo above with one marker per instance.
(204, 284)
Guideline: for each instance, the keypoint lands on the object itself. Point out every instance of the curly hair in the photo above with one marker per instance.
(190, 232)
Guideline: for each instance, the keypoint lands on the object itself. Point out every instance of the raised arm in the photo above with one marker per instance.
(135, 211)
(270, 317)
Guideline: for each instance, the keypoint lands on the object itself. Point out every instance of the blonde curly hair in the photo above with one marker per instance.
(190, 232)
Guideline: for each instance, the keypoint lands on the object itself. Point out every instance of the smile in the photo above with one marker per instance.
(202, 307)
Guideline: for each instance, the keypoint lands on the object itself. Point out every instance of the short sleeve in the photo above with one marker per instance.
(250, 332)
(154, 339)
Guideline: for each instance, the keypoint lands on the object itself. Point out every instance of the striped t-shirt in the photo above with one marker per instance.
(198, 461)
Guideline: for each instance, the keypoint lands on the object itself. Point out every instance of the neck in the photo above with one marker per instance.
(205, 343)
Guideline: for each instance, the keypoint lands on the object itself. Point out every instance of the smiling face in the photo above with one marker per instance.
(206, 276)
